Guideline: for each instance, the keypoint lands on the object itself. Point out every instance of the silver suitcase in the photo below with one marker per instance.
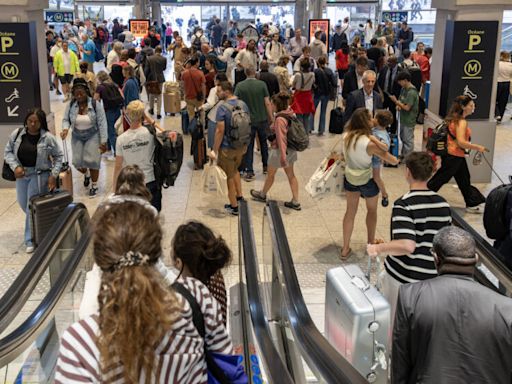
(357, 321)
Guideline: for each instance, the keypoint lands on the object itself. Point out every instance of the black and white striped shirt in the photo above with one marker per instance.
(179, 356)
(417, 216)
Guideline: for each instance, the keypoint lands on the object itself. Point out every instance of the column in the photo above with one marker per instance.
(300, 14)
(156, 11)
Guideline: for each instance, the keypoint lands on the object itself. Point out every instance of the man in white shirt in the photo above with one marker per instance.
(273, 51)
(246, 58)
(296, 44)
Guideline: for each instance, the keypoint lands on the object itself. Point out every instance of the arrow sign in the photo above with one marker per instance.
(12, 112)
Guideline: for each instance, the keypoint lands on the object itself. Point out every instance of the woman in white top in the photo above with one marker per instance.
(387, 48)
(210, 107)
(369, 33)
(358, 148)
(228, 56)
(503, 90)
(114, 55)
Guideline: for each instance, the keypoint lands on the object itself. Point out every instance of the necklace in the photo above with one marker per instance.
(82, 109)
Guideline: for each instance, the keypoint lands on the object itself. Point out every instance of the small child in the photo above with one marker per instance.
(383, 119)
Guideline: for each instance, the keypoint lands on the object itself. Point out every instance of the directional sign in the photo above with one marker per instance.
(19, 71)
(395, 17)
(58, 17)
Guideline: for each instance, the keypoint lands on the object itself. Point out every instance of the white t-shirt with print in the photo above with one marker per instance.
(137, 147)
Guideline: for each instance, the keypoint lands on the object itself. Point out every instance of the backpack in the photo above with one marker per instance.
(297, 137)
(495, 215)
(197, 42)
(112, 97)
(240, 125)
(167, 158)
(438, 142)
(116, 74)
(220, 66)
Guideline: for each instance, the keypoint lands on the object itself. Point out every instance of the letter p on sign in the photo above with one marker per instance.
(5, 43)
(474, 41)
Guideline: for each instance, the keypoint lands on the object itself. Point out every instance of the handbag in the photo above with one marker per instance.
(222, 368)
(328, 177)
(7, 172)
(153, 87)
(214, 180)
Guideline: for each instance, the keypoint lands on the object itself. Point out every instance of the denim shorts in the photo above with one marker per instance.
(370, 189)
(86, 148)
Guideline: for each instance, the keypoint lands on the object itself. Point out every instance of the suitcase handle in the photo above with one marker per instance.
(360, 283)
(65, 150)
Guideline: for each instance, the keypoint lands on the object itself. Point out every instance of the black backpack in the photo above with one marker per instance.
(167, 158)
(495, 215)
(112, 97)
(438, 142)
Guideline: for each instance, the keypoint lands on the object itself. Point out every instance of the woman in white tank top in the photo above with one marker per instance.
(358, 148)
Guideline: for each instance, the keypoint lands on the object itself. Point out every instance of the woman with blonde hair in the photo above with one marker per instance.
(144, 331)
(359, 145)
(283, 76)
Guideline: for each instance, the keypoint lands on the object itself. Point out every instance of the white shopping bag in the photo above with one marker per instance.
(328, 177)
(214, 180)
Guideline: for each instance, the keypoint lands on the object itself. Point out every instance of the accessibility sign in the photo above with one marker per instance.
(394, 16)
(19, 71)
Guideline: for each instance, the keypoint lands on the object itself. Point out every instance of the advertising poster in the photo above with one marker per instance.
(139, 27)
(322, 25)
(468, 65)
(19, 71)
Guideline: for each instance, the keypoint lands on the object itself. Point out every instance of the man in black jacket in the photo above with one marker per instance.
(366, 97)
(361, 52)
(338, 39)
(451, 329)
(389, 86)
(268, 78)
(353, 79)
(154, 71)
(405, 36)
(374, 53)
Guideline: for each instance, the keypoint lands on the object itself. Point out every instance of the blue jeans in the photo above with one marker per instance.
(26, 187)
(112, 115)
(212, 126)
(261, 130)
(305, 121)
(324, 99)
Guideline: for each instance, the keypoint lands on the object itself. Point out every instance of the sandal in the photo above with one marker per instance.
(345, 257)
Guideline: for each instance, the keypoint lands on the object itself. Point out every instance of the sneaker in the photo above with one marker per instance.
(229, 209)
(258, 196)
(265, 170)
(292, 205)
(111, 157)
(29, 249)
(249, 176)
(59, 92)
(51, 88)
(92, 192)
(385, 201)
(240, 198)
(320, 133)
(87, 181)
(158, 117)
(476, 210)
(151, 112)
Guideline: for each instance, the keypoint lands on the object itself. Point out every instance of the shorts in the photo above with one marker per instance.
(341, 73)
(86, 148)
(274, 157)
(370, 189)
(66, 79)
(230, 159)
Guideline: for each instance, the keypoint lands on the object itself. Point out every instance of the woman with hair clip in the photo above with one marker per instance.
(198, 253)
(29, 150)
(144, 331)
(359, 145)
(454, 163)
(280, 155)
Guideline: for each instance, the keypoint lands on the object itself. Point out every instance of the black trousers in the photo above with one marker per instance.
(502, 93)
(156, 194)
(454, 166)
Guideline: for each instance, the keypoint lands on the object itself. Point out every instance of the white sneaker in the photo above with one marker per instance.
(29, 249)
(111, 158)
(476, 210)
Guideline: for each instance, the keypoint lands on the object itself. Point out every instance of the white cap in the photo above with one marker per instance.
(128, 37)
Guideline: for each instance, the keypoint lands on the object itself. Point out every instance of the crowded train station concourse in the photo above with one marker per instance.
(266, 192)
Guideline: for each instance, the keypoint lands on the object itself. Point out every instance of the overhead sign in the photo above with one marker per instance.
(59, 17)
(320, 25)
(395, 17)
(19, 71)
(139, 27)
(468, 64)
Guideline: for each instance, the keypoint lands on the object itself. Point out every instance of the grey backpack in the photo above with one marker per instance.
(239, 133)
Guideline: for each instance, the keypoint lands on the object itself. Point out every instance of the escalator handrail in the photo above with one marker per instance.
(16, 342)
(275, 367)
(333, 367)
(20, 290)
(488, 255)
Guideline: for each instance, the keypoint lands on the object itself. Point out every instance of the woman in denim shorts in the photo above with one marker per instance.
(358, 148)
(86, 118)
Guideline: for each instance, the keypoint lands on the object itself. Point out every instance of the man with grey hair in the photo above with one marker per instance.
(451, 329)
(366, 97)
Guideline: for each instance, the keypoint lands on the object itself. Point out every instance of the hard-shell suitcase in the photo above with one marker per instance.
(393, 148)
(199, 153)
(45, 209)
(336, 119)
(65, 180)
(357, 321)
(172, 102)
(184, 121)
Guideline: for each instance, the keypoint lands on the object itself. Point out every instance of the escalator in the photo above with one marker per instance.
(269, 321)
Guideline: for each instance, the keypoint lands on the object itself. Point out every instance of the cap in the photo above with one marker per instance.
(80, 83)
(128, 37)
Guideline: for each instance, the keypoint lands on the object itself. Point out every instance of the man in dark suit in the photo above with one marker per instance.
(353, 79)
(389, 86)
(154, 71)
(365, 97)
(268, 78)
(361, 52)
(374, 53)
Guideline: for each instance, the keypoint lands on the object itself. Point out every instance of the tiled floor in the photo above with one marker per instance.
(314, 233)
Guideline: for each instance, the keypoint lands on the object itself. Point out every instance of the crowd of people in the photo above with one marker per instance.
(251, 94)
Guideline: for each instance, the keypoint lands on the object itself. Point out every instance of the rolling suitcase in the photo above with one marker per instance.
(172, 103)
(336, 119)
(184, 121)
(44, 210)
(393, 149)
(65, 179)
(357, 321)
(171, 86)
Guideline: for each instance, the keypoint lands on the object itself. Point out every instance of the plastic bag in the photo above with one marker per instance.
(214, 180)
(328, 177)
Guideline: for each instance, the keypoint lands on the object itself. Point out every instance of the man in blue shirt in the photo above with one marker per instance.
(228, 157)
(88, 50)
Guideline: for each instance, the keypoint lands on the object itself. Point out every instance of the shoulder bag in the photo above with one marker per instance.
(7, 172)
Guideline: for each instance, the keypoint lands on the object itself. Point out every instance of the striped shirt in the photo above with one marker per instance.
(417, 216)
(179, 358)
